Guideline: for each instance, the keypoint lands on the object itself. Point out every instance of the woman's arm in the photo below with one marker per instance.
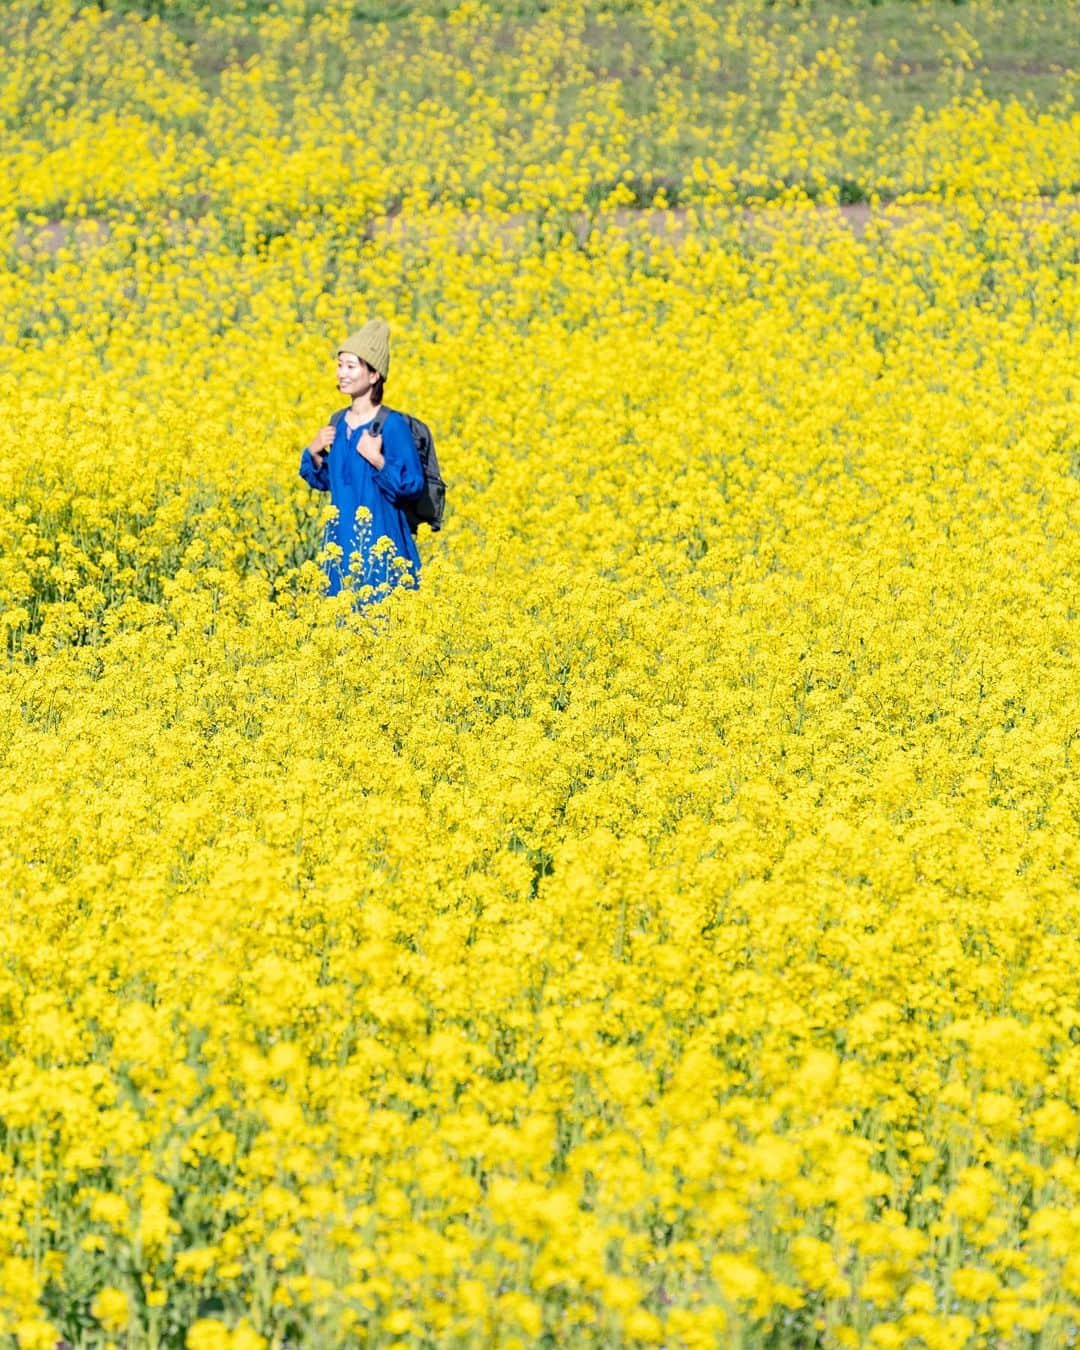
(314, 471)
(398, 473)
(313, 468)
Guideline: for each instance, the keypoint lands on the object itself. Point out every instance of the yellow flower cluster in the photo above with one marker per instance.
(659, 928)
(584, 106)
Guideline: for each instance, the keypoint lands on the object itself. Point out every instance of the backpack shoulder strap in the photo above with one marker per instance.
(335, 417)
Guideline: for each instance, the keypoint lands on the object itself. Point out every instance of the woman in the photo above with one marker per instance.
(369, 476)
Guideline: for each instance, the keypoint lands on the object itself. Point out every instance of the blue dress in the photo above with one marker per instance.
(371, 529)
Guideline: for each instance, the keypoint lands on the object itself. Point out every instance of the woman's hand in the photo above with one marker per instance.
(320, 443)
(370, 447)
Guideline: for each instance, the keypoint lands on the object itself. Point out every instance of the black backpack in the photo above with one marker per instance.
(427, 508)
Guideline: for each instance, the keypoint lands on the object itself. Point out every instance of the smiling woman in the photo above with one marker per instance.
(370, 466)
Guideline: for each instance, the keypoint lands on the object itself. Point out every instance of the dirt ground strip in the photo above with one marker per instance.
(47, 240)
(762, 222)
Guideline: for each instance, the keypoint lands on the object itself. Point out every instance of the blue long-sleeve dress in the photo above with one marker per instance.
(370, 506)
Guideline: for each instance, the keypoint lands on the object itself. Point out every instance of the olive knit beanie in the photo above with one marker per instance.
(371, 344)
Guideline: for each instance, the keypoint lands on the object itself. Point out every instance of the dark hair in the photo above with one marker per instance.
(377, 387)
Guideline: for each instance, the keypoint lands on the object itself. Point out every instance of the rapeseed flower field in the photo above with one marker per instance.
(660, 928)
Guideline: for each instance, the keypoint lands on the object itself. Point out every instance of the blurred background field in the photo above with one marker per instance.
(260, 119)
(661, 927)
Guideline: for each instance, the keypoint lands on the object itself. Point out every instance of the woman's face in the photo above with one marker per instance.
(353, 375)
